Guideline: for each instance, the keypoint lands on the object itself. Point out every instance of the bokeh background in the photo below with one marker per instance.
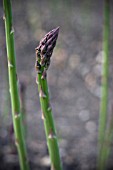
(74, 80)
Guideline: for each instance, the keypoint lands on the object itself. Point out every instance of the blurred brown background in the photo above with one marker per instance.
(73, 77)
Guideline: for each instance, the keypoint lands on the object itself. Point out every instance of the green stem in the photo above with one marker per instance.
(104, 86)
(48, 122)
(13, 85)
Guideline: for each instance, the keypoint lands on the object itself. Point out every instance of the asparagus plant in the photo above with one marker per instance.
(13, 86)
(104, 85)
(43, 54)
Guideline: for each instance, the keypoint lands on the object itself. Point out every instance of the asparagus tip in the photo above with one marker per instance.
(45, 49)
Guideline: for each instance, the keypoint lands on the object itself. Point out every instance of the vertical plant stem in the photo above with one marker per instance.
(104, 85)
(48, 122)
(13, 86)
(43, 55)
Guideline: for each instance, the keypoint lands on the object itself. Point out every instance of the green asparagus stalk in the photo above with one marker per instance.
(104, 85)
(13, 86)
(43, 55)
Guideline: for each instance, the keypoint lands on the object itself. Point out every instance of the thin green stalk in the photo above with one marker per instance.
(104, 85)
(43, 54)
(13, 86)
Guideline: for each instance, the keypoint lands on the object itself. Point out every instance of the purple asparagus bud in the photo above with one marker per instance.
(45, 49)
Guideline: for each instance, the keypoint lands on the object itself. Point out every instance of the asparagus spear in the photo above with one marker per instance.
(104, 87)
(43, 55)
(13, 86)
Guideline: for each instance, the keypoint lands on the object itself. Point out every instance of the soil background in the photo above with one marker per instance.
(74, 79)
